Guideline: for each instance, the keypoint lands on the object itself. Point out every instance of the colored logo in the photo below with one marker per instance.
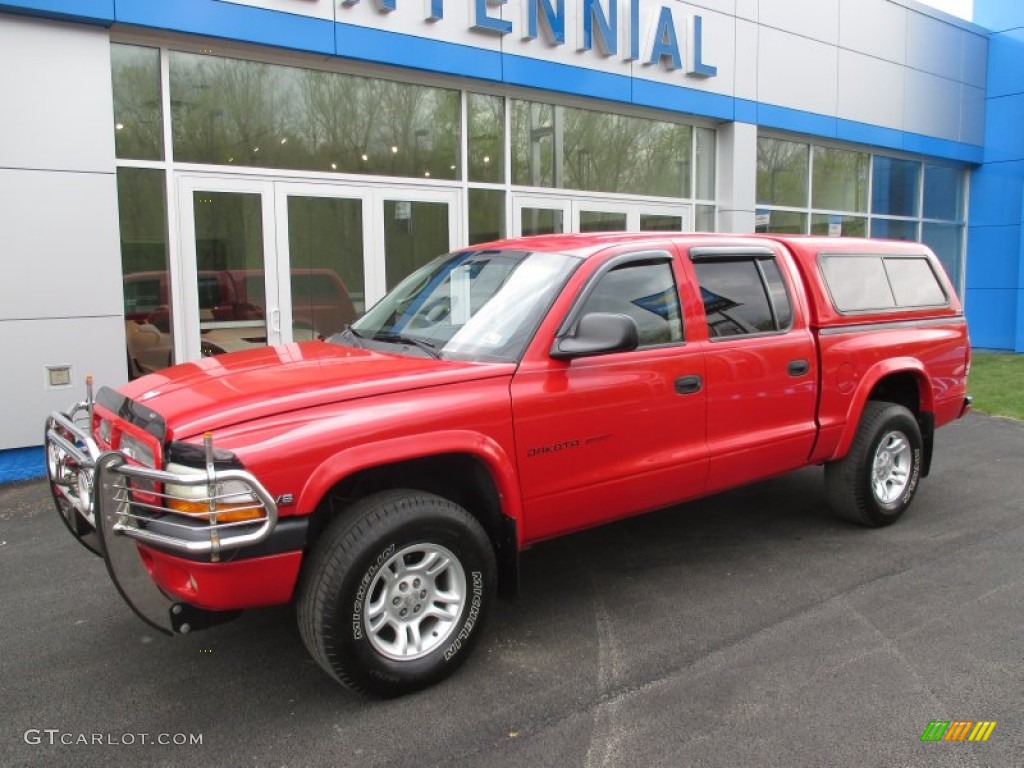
(958, 730)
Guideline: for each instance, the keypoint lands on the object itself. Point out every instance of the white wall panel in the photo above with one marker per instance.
(931, 105)
(746, 60)
(934, 46)
(870, 90)
(60, 239)
(975, 70)
(817, 19)
(89, 345)
(875, 27)
(972, 114)
(319, 9)
(796, 72)
(55, 96)
(747, 9)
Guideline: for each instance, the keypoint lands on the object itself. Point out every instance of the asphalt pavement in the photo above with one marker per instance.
(749, 629)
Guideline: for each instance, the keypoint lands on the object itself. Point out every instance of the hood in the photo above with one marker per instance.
(220, 391)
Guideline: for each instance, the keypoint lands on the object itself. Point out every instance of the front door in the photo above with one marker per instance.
(271, 262)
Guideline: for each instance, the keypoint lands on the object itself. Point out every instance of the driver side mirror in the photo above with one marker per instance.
(598, 333)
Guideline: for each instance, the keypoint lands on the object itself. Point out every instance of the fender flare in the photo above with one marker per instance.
(868, 382)
(357, 458)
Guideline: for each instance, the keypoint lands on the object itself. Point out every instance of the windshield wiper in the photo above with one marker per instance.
(398, 338)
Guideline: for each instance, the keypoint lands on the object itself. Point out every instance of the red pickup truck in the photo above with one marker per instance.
(387, 478)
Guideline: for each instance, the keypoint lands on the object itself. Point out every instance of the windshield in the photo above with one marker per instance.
(471, 305)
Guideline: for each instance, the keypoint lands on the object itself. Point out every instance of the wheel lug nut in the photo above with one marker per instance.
(403, 612)
(396, 601)
(423, 595)
(416, 583)
(416, 609)
(403, 586)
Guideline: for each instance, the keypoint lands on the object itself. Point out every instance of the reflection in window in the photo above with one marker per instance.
(837, 225)
(894, 229)
(602, 221)
(943, 192)
(645, 291)
(840, 180)
(947, 242)
(138, 122)
(325, 248)
(554, 146)
(781, 172)
(414, 233)
(147, 294)
(742, 296)
(235, 112)
(782, 222)
(486, 119)
(894, 186)
(486, 215)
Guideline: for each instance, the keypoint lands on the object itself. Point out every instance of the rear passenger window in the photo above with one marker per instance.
(865, 282)
(645, 291)
(743, 296)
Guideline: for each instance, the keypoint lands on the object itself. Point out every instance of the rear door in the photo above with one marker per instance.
(762, 370)
(609, 435)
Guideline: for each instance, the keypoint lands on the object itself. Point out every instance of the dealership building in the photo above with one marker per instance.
(184, 178)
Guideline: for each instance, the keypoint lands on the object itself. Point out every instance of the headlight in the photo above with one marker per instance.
(137, 450)
(232, 500)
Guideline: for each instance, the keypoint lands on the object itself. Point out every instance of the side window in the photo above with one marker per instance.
(871, 282)
(645, 291)
(742, 296)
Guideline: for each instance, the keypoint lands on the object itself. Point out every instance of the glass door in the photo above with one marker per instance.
(228, 279)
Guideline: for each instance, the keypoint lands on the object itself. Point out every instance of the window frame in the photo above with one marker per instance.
(823, 256)
(571, 320)
(756, 255)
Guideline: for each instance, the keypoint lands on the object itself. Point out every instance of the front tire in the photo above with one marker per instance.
(875, 482)
(396, 592)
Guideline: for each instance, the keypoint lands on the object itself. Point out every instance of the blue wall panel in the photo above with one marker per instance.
(992, 317)
(1004, 139)
(537, 73)
(997, 192)
(21, 464)
(1005, 54)
(234, 22)
(416, 52)
(995, 257)
(92, 11)
(999, 15)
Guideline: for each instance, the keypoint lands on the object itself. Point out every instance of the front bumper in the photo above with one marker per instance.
(121, 511)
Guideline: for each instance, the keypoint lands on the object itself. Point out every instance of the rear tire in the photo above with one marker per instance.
(875, 482)
(396, 592)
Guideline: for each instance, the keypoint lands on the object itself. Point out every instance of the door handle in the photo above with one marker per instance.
(688, 385)
(799, 367)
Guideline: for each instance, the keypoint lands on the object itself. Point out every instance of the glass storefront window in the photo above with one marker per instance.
(704, 218)
(894, 229)
(554, 146)
(781, 172)
(895, 186)
(486, 120)
(943, 192)
(947, 242)
(705, 182)
(246, 113)
(486, 215)
(835, 225)
(782, 222)
(138, 121)
(840, 180)
(141, 200)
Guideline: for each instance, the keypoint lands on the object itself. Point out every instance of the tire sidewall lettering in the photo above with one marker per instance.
(361, 590)
(915, 475)
(472, 615)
